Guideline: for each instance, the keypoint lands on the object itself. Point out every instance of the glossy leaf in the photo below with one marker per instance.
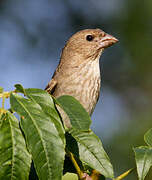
(42, 136)
(46, 102)
(19, 88)
(78, 116)
(148, 137)
(70, 176)
(15, 161)
(143, 156)
(91, 152)
(2, 117)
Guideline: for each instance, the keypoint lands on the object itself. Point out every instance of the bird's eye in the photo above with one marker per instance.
(89, 38)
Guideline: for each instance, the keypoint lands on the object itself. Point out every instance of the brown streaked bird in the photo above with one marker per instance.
(78, 73)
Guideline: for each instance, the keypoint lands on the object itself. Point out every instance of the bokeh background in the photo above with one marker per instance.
(32, 34)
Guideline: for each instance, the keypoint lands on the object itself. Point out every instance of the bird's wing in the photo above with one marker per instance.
(51, 86)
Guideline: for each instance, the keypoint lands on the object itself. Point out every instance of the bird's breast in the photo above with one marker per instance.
(83, 83)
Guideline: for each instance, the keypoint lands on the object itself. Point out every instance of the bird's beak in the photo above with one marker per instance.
(107, 41)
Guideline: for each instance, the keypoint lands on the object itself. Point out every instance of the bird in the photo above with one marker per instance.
(78, 72)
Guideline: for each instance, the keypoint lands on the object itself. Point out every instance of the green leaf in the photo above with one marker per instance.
(1, 89)
(19, 88)
(43, 140)
(15, 161)
(70, 176)
(91, 152)
(143, 156)
(148, 137)
(46, 102)
(79, 118)
(2, 117)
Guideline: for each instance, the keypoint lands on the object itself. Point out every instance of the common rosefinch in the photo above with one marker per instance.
(78, 73)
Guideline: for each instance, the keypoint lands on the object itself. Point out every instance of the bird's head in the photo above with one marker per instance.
(88, 44)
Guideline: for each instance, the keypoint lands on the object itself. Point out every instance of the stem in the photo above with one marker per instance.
(79, 172)
(122, 176)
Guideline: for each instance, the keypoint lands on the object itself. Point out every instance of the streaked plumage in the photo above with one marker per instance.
(78, 73)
